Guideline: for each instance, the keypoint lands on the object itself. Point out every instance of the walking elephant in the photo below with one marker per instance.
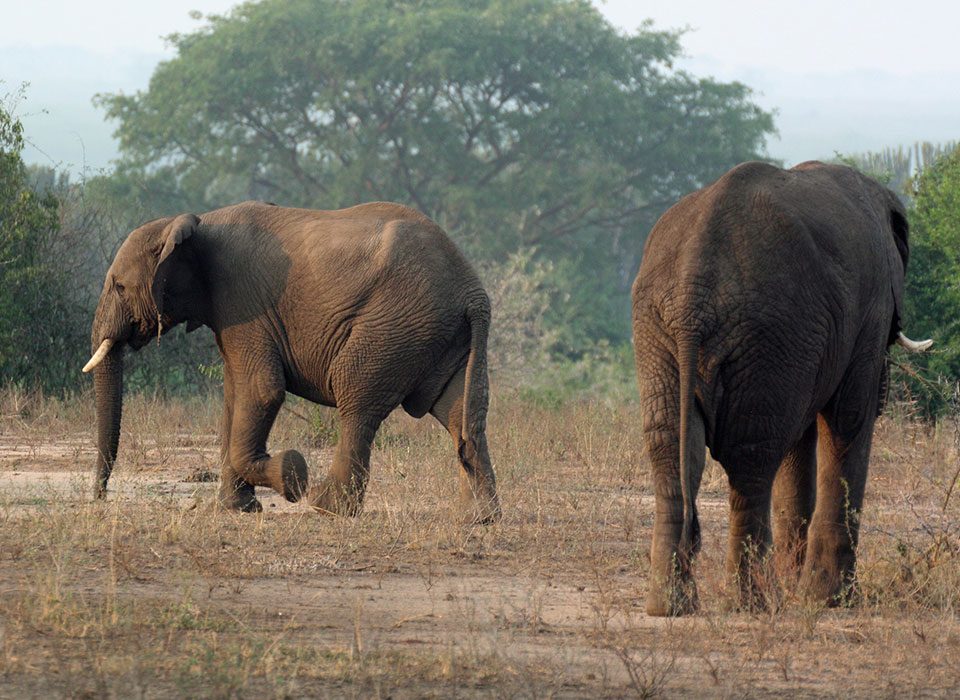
(762, 314)
(364, 309)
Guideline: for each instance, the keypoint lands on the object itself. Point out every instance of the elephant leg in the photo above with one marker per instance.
(672, 590)
(830, 565)
(749, 540)
(478, 485)
(794, 493)
(256, 403)
(235, 493)
(343, 489)
(368, 383)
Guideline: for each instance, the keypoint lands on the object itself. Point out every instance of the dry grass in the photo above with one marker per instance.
(156, 593)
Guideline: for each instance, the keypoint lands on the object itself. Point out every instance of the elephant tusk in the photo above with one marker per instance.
(913, 345)
(99, 355)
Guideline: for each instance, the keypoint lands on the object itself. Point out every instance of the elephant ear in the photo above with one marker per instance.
(171, 258)
(898, 267)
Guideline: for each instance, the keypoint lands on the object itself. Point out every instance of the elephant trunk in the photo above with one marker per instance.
(108, 389)
(110, 329)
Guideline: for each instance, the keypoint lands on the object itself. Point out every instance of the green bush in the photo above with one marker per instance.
(40, 343)
(933, 284)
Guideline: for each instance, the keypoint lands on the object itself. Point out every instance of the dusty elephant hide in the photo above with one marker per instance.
(364, 309)
(762, 314)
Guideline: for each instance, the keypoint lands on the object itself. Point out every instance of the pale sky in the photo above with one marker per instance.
(843, 76)
(902, 37)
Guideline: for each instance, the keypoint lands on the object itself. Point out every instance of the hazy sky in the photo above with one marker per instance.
(843, 76)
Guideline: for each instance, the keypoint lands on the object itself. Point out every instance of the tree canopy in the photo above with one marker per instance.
(513, 123)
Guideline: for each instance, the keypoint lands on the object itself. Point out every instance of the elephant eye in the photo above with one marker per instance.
(119, 288)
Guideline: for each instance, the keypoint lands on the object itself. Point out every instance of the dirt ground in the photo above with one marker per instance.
(156, 593)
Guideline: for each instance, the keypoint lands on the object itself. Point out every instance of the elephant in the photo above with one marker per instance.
(365, 309)
(762, 313)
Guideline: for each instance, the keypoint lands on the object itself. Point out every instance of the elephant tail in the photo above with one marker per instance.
(691, 445)
(476, 386)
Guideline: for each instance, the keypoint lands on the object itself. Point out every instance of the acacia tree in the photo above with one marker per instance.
(513, 123)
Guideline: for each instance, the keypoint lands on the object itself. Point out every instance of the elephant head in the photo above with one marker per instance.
(884, 200)
(152, 285)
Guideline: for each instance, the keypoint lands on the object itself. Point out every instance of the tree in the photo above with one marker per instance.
(933, 279)
(513, 123)
(39, 343)
(894, 167)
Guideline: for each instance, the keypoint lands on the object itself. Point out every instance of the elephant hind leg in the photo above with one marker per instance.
(366, 388)
(845, 431)
(830, 567)
(343, 489)
(749, 542)
(671, 589)
(794, 494)
(478, 484)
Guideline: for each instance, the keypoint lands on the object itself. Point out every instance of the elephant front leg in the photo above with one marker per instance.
(749, 543)
(343, 489)
(829, 573)
(235, 492)
(254, 412)
(794, 493)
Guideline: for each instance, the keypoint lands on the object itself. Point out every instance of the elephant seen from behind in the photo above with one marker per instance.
(762, 314)
(365, 309)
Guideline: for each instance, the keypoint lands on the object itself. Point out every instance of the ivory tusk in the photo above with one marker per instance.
(913, 345)
(99, 355)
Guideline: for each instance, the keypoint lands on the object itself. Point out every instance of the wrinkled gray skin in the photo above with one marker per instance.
(364, 309)
(762, 314)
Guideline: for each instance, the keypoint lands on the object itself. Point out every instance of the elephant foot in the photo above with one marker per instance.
(674, 594)
(334, 498)
(755, 586)
(241, 498)
(788, 567)
(675, 601)
(827, 588)
(829, 574)
(753, 600)
(478, 497)
(482, 511)
(286, 474)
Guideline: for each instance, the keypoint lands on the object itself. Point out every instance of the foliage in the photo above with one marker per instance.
(933, 282)
(895, 167)
(523, 347)
(37, 338)
(520, 292)
(513, 123)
